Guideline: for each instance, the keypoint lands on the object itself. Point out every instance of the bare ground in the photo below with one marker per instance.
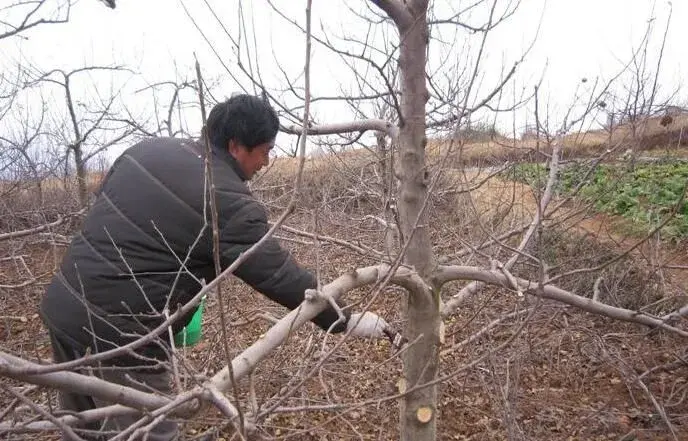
(562, 374)
(567, 374)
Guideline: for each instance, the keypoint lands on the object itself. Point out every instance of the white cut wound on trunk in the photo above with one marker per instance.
(424, 414)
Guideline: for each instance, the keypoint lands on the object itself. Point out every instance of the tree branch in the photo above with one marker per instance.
(363, 250)
(346, 127)
(16, 368)
(27, 24)
(456, 272)
(69, 433)
(396, 11)
(68, 420)
(30, 231)
(275, 336)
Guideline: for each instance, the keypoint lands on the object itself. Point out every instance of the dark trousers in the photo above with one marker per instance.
(165, 430)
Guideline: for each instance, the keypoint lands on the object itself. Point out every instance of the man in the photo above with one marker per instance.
(146, 246)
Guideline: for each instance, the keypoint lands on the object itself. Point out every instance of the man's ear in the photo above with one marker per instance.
(233, 146)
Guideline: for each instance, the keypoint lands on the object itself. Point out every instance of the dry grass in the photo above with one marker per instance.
(650, 135)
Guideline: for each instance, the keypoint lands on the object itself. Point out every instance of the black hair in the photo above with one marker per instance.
(248, 119)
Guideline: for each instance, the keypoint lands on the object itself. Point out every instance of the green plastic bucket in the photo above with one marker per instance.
(191, 333)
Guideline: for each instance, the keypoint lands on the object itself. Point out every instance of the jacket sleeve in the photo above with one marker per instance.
(270, 270)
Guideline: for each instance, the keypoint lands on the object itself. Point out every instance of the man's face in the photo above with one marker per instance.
(252, 160)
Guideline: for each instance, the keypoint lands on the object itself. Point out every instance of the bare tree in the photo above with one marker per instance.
(16, 19)
(172, 102)
(22, 15)
(94, 125)
(427, 307)
(639, 104)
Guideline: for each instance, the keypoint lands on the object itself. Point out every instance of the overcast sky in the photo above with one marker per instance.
(156, 38)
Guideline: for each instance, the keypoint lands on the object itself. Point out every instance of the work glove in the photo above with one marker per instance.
(370, 325)
(367, 325)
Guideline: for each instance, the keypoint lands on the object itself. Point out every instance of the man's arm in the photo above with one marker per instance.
(270, 270)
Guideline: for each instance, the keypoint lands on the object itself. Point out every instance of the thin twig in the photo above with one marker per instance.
(216, 246)
(40, 228)
(69, 433)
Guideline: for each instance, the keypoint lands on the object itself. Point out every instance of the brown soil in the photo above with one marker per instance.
(568, 375)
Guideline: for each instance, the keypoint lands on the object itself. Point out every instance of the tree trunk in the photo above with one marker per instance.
(383, 166)
(413, 189)
(80, 176)
(77, 147)
(418, 410)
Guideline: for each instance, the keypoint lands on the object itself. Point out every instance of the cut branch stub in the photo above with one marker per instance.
(401, 385)
(424, 414)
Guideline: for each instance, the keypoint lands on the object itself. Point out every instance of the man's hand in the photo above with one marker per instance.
(370, 325)
(367, 325)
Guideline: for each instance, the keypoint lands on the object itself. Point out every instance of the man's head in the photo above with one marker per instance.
(246, 127)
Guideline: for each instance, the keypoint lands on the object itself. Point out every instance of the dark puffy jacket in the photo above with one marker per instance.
(125, 265)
